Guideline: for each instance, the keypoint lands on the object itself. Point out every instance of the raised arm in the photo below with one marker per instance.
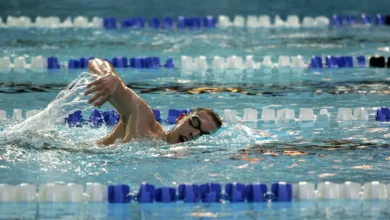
(110, 87)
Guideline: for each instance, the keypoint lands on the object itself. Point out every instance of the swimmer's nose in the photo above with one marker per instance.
(195, 134)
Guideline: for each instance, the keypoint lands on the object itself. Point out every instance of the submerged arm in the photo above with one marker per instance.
(117, 132)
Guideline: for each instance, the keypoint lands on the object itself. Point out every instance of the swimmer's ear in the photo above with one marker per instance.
(180, 117)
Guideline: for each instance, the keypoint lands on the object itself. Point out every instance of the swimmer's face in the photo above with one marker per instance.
(190, 127)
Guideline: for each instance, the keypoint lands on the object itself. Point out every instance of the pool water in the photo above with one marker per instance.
(242, 152)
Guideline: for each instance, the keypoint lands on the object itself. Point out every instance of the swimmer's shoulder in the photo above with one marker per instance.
(157, 130)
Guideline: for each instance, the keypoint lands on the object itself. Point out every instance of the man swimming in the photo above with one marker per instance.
(136, 117)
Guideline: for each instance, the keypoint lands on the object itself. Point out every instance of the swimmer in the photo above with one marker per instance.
(136, 117)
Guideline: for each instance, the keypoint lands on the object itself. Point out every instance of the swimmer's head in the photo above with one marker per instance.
(201, 121)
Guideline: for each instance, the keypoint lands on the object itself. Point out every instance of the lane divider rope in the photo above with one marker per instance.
(296, 63)
(201, 63)
(97, 118)
(211, 192)
(196, 22)
(193, 193)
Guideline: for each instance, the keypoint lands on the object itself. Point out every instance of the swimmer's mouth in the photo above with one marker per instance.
(183, 139)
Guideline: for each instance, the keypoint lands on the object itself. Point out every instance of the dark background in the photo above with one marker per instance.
(149, 8)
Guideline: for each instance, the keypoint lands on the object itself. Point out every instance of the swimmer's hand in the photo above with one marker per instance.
(110, 87)
(102, 89)
(100, 67)
(105, 85)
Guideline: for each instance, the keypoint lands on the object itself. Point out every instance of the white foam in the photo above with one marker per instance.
(69, 99)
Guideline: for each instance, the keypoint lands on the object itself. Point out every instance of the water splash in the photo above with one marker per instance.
(68, 100)
(41, 130)
(46, 130)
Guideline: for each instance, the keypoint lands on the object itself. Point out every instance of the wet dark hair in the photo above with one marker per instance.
(213, 115)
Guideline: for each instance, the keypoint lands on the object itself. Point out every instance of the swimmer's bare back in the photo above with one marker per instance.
(136, 117)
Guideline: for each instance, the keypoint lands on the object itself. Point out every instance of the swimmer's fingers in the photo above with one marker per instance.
(96, 97)
(92, 90)
(95, 83)
(103, 99)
